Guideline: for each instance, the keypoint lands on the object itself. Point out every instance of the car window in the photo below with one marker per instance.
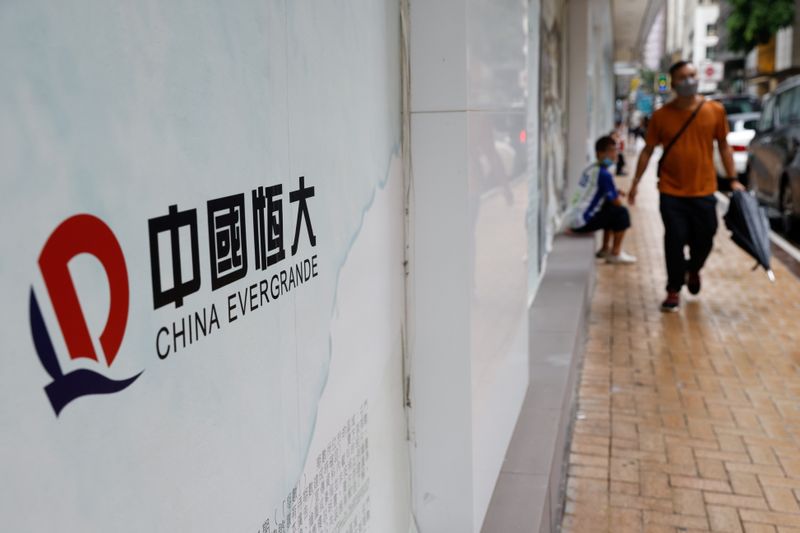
(768, 115)
(750, 124)
(794, 110)
(785, 105)
(734, 108)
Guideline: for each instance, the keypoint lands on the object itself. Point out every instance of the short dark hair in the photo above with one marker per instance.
(675, 66)
(604, 143)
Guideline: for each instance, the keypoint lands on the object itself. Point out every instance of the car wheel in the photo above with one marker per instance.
(788, 219)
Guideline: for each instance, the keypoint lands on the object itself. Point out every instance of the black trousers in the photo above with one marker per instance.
(611, 217)
(688, 221)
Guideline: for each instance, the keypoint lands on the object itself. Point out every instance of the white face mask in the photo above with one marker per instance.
(687, 87)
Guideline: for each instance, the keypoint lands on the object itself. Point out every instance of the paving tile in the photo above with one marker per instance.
(732, 500)
(758, 528)
(626, 520)
(771, 518)
(781, 499)
(745, 484)
(724, 519)
(712, 469)
(688, 501)
(700, 484)
(652, 518)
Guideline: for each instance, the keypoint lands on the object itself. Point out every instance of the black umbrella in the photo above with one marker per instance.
(750, 228)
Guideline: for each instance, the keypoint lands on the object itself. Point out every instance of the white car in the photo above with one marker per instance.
(743, 129)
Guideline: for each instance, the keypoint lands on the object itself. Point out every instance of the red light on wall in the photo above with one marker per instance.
(523, 136)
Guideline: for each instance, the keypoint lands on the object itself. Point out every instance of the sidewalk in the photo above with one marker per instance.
(687, 421)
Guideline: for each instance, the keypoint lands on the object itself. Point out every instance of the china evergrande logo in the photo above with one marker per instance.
(80, 234)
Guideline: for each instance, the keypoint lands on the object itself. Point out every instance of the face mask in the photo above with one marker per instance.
(606, 162)
(687, 87)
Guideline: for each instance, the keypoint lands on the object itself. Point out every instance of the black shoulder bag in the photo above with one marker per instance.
(674, 139)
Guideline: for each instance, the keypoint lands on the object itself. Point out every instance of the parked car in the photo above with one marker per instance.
(742, 130)
(774, 153)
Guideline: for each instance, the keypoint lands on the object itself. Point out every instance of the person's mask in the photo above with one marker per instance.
(606, 162)
(687, 87)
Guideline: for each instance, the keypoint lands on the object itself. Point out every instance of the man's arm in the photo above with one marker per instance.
(641, 166)
(726, 154)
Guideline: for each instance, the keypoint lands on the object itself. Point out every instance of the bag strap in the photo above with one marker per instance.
(680, 132)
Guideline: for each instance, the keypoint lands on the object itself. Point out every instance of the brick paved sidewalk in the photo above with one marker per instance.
(687, 421)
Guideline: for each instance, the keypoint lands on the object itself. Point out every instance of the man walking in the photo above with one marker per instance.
(687, 127)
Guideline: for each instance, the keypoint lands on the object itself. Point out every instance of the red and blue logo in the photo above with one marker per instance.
(80, 234)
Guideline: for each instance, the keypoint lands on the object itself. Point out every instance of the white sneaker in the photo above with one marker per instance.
(621, 259)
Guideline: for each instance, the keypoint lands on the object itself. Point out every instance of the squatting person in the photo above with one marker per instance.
(596, 205)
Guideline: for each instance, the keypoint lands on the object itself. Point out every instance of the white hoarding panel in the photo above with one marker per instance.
(203, 267)
(497, 185)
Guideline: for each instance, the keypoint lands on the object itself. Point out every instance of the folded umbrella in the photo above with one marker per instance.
(750, 229)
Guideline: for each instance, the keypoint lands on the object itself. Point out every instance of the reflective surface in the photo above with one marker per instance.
(497, 42)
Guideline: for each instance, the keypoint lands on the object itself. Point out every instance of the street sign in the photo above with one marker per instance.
(661, 83)
(711, 71)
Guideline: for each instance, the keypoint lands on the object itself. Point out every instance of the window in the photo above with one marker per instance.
(794, 110)
(740, 104)
(711, 30)
(734, 108)
(787, 106)
(767, 116)
(750, 125)
(711, 52)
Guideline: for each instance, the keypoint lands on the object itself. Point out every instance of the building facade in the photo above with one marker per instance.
(692, 34)
(770, 63)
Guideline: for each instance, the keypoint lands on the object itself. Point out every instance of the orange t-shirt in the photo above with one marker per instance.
(688, 168)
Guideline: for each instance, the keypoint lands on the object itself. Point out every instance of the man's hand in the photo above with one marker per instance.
(736, 185)
(641, 166)
(632, 195)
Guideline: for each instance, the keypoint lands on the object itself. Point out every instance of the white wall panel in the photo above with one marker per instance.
(469, 244)
(121, 111)
(440, 324)
(438, 81)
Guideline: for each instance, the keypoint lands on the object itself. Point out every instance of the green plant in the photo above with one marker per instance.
(754, 22)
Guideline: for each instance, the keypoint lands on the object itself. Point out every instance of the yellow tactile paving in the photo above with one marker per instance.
(687, 421)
